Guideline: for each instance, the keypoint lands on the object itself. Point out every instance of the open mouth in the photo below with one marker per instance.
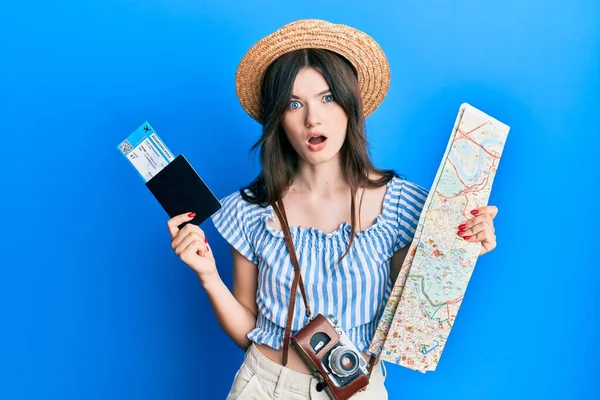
(316, 142)
(317, 139)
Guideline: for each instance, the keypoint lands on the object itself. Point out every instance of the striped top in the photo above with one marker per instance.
(355, 291)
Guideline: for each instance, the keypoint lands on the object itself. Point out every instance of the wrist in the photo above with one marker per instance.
(209, 279)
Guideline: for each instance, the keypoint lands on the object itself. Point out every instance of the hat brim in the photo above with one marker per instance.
(360, 49)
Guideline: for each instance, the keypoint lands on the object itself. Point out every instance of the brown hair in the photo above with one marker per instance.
(279, 160)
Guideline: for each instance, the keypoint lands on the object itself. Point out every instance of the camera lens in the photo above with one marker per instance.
(343, 361)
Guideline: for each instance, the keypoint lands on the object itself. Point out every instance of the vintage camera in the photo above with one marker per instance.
(332, 357)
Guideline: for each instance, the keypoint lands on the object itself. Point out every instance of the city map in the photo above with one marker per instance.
(430, 288)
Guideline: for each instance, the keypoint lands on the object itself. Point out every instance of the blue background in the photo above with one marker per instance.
(94, 304)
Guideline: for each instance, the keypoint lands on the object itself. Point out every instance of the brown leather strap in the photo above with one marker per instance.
(280, 210)
(372, 362)
(290, 245)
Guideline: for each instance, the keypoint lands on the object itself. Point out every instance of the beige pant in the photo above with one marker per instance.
(261, 379)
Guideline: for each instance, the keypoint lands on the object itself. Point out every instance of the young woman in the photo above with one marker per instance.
(311, 84)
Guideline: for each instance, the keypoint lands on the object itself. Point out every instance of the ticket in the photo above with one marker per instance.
(146, 151)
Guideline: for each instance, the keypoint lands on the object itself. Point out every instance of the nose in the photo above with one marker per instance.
(312, 117)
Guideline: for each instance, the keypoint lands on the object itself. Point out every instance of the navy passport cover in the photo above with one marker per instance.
(179, 189)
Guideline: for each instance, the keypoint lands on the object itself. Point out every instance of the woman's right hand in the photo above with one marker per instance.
(191, 245)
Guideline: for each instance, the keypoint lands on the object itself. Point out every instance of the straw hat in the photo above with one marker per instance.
(356, 46)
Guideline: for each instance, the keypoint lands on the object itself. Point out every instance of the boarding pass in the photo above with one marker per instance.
(146, 151)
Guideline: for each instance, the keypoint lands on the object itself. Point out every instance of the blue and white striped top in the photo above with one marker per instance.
(355, 291)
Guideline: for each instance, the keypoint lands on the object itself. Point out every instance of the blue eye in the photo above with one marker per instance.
(328, 98)
(294, 105)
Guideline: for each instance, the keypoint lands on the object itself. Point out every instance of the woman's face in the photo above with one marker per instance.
(314, 122)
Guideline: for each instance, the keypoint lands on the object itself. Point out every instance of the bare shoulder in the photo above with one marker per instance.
(374, 195)
(371, 202)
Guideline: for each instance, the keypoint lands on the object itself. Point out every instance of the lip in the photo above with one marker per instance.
(316, 147)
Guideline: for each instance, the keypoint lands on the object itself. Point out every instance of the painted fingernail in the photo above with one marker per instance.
(475, 212)
(460, 233)
(205, 240)
(192, 214)
(466, 237)
(462, 227)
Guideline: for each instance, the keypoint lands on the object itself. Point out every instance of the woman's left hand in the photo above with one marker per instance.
(480, 228)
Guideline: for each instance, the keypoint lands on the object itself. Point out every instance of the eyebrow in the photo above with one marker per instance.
(318, 94)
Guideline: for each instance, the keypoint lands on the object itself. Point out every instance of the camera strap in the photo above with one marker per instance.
(280, 211)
